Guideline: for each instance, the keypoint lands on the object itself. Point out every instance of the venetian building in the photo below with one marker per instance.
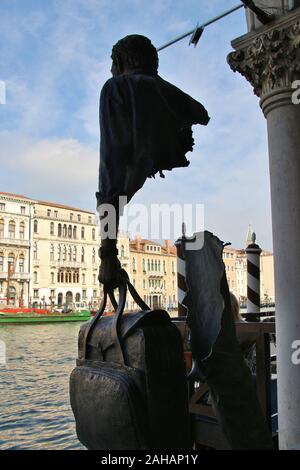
(154, 272)
(64, 256)
(229, 258)
(15, 239)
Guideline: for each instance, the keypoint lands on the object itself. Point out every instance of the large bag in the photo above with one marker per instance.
(129, 389)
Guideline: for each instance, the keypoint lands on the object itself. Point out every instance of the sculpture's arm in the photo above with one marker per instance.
(115, 150)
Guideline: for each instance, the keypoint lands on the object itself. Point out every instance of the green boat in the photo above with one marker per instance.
(32, 317)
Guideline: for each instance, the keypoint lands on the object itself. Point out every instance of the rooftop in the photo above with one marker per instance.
(44, 203)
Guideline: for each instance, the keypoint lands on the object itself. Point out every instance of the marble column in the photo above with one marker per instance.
(269, 58)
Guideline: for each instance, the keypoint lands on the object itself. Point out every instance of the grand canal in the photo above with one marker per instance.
(34, 395)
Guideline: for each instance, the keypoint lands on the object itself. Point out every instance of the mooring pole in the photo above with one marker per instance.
(253, 252)
(181, 284)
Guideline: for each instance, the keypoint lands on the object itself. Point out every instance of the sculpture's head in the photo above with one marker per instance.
(134, 53)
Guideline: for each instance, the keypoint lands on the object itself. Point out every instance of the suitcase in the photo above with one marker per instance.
(129, 388)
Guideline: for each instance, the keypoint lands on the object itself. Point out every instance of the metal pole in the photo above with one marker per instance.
(217, 18)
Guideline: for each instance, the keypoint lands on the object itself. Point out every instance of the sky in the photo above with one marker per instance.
(55, 58)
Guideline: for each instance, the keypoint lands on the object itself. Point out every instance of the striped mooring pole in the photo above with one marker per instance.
(181, 284)
(253, 252)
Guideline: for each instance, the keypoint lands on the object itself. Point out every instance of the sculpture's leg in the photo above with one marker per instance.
(233, 390)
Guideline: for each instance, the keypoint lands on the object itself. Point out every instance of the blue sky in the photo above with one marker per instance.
(55, 57)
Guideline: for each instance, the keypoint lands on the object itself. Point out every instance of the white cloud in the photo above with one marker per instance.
(229, 169)
(62, 170)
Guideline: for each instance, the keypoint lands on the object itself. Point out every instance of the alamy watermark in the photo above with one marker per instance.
(2, 352)
(295, 358)
(2, 92)
(296, 94)
(155, 222)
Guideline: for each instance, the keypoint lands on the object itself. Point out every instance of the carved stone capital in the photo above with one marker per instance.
(270, 58)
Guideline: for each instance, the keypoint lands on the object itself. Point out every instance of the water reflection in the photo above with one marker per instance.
(35, 412)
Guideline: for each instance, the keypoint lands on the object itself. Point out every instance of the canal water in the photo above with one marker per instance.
(35, 412)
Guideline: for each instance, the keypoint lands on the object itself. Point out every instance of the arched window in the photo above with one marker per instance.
(82, 232)
(11, 261)
(152, 265)
(35, 250)
(74, 278)
(51, 228)
(155, 264)
(64, 231)
(94, 234)
(64, 253)
(59, 230)
(94, 256)
(35, 277)
(1, 228)
(82, 254)
(70, 253)
(58, 277)
(74, 232)
(144, 265)
(75, 253)
(133, 264)
(77, 297)
(83, 278)
(148, 265)
(70, 278)
(122, 251)
(52, 278)
(70, 231)
(12, 229)
(35, 226)
(21, 263)
(51, 252)
(60, 299)
(22, 230)
(1, 262)
(77, 278)
(59, 252)
(164, 265)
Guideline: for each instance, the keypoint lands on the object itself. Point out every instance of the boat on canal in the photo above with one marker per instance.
(35, 315)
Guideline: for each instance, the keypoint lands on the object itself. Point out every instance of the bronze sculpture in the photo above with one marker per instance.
(145, 126)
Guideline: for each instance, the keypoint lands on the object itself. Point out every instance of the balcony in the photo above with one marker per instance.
(64, 218)
(156, 290)
(153, 273)
(14, 242)
(15, 276)
(67, 264)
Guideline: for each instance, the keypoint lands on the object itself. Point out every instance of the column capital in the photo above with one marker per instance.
(269, 58)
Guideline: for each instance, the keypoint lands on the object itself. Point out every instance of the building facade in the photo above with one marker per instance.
(236, 270)
(64, 262)
(49, 257)
(154, 272)
(15, 242)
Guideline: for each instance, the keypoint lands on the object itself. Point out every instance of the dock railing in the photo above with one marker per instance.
(207, 431)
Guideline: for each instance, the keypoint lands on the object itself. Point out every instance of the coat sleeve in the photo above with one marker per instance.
(115, 141)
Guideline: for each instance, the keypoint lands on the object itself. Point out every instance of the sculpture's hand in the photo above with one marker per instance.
(109, 272)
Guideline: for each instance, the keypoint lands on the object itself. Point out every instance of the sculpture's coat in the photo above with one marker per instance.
(145, 126)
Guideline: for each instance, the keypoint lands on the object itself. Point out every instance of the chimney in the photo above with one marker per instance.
(168, 245)
(138, 240)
